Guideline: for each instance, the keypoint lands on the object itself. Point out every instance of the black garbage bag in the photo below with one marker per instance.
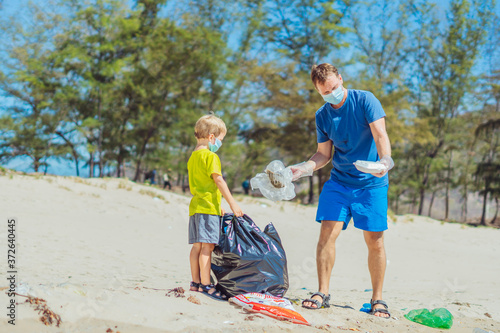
(248, 259)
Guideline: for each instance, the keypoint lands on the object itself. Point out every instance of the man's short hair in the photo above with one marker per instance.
(209, 124)
(320, 73)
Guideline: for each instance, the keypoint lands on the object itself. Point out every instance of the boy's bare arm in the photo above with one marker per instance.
(221, 184)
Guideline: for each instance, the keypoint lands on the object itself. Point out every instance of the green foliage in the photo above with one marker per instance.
(122, 86)
(27, 128)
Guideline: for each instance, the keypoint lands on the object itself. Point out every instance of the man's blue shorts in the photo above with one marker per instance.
(367, 207)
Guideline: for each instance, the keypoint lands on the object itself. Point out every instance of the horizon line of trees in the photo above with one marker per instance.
(119, 86)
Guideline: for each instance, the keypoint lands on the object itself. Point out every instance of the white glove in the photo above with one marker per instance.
(303, 169)
(387, 161)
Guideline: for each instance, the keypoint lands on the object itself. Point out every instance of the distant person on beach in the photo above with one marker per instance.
(246, 186)
(353, 122)
(207, 186)
(166, 181)
(153, 177)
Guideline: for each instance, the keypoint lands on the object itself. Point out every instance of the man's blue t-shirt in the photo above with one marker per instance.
(348, 128)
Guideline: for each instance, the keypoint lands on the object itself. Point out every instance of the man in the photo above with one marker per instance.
(166, 181)
(352, 121)
(153, 177)
(246, 185)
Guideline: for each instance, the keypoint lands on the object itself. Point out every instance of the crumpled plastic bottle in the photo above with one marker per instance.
(437, 318)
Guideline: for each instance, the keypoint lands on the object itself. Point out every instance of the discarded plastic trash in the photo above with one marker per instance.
(24, 289)
(437, 318)
(247, 298)
(247, 259)
(366, 307)
(369, 167)
(276, 307)
(275, 183)
(276, 179)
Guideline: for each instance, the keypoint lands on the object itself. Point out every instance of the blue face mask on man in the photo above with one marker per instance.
(335, 97)
(214, 147)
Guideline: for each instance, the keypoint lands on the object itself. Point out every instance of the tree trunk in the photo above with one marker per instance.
(101, 165)
(413, 203)
(142, 153)
(98, 165)
(485, 201)
(138, 169)
(464, 205)
(422, 197)
(447, 202)
(36, 164)
(73, 151)
(466, 185)
(397, 203)
(119, 162)
(91, 165)
(447, 197)
(101, 129)
(465, 202)
(77, 169)
(183, 183)
(431, 203)
(493, 220)
(425, 181)
(118, 169)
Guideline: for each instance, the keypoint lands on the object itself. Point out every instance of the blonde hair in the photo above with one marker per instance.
(209, 124)
(320, 73)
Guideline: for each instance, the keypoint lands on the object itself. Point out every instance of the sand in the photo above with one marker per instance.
(104, 252)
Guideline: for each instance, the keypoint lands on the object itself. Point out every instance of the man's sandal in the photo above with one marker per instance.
(373, 311)
(194, 285)
(324, 304)
(217, 295)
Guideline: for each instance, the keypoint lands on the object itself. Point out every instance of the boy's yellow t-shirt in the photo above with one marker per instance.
(206, 195)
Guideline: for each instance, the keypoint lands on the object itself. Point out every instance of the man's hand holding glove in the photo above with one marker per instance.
(303, 169)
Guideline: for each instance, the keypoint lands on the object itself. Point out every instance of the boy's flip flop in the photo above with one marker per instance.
(324, 304)
(386, 310)
(217, 295)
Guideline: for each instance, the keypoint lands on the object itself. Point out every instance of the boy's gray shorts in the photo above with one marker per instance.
(204, 228)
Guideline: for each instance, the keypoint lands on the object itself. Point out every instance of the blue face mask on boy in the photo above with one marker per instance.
(214, 147)
(335, 97)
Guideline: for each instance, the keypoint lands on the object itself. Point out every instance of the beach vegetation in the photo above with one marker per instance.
(65, 188)
(123, 184)
(152, 194)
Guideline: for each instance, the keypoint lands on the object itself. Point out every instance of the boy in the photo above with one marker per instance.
(206, 185)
